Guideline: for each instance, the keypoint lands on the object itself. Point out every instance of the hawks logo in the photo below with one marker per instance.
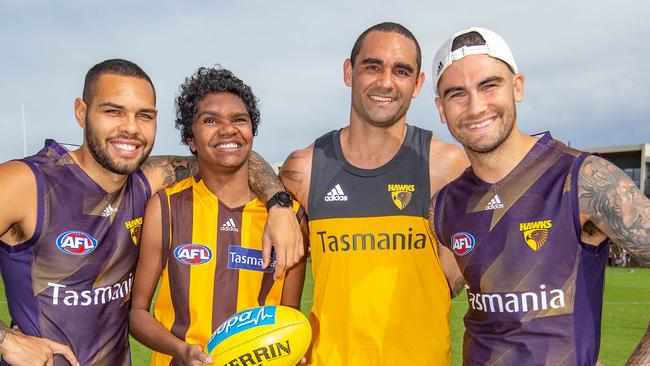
(135, 227)
(535, 233)
(401, 194)
(462, 243)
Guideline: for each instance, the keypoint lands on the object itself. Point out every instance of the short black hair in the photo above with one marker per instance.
(206, 81)
(388, 27)
(114, 66)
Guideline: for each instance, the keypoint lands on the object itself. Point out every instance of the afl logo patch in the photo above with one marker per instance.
(462, 243)
(76, 243)
(193, 254)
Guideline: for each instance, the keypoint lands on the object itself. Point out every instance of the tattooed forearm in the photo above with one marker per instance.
(262, 178)
(641, 355)
(616, 206)
(458, 287)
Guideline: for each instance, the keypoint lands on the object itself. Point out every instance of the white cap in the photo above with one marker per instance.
(494, 46)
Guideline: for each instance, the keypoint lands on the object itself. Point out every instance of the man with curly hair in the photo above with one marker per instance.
(202, 236)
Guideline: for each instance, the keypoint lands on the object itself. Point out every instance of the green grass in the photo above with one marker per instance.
(625, 316)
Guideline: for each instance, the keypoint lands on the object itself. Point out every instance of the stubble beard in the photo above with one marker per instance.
(101, 155)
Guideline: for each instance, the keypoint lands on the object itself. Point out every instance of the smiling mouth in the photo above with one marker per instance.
(475, 126)
(125, 146)
(228, 146)
(381, 99)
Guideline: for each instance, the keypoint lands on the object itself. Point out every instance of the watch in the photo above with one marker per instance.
(282, 199)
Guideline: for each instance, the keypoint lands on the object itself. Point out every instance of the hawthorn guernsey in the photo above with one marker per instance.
(372, 241)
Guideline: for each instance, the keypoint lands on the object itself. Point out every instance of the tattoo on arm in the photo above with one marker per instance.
(458, 287)
(262, 178)
(616, 206)
(173, 168)
(641, 355)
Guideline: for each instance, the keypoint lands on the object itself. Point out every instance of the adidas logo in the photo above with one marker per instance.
(495, 203)
(108, 211)
(336, 194)
(229, 226)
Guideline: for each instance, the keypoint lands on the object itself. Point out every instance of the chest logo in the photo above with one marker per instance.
(193, 254)
(248, 259)
(135, 228)
(401, 194)
(462, 243)
(76, 242)
(535, 233)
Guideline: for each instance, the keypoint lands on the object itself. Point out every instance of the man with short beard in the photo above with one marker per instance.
(380, 295)
(528, 222)
(70, 227)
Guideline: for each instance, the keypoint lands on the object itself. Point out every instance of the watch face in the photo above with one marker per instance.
(284, 198)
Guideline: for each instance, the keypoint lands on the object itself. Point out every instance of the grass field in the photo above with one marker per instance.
(626, 314)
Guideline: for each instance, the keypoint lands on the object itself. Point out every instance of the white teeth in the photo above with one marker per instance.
(380, 99)
(126, 147)
(480, 125)
(231, 145)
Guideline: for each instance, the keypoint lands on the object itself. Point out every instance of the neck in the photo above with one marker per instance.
(497, 164)
(368, 147)
(229, 185)
(109, 181)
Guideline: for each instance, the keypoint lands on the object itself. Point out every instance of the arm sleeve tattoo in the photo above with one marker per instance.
(615, 205)
(262, 178)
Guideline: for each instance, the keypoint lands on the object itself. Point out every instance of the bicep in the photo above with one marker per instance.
(149, 265)
(611, 201)
(19, 192)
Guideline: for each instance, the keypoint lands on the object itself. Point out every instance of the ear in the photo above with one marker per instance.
(347, 72)
(418, 85)
(518, 87)
(190, 143)
(441, 110)
(80, 110)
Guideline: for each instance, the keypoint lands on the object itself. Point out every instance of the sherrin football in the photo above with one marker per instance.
(268, 335)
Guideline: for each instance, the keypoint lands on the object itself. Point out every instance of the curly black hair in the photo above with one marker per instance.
(206, 81)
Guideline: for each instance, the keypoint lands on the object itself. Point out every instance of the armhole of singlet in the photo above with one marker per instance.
(40, 208)
(314, 178)
(437, 216)
(166, 226)
(144, 179)
(575, 202)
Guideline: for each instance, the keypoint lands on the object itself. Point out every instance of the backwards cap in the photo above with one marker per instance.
(494, 46)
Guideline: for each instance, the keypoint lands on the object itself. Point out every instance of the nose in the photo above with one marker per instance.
(227, 128)
(129, 124)
(477, 104)
(385, 79)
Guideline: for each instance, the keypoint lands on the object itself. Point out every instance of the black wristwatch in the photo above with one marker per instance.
(282, 199)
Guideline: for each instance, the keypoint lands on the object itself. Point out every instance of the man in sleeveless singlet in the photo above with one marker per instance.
(528, 222)
(202, 237)
(69, 242)
(380, 295)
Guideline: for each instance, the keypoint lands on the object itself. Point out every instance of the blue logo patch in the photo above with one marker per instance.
(462, 243)
(193, 254)
(248, 259)
(76, 242)
(240, 322)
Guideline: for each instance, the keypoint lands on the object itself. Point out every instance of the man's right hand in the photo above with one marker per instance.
(18, 349)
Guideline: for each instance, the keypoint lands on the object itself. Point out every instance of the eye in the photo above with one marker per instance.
(146, 116)
(403, 72)
(241, 120)
(372, 67)
(113, 112)
(209, 121)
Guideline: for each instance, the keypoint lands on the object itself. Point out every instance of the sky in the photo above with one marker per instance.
(585, 62)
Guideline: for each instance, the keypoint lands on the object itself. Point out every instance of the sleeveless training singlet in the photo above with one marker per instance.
(535, 290)
(380, 296)
(212, 263)
(71, 281)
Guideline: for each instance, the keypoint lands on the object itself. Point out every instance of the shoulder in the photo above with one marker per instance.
(446, 163)
(295, 173)
(17, 176)
(299, 160)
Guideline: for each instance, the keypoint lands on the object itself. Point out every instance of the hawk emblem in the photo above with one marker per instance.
(536, 238)
(401, 199)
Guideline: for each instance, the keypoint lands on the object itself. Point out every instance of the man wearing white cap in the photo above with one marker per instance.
(528, 222)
